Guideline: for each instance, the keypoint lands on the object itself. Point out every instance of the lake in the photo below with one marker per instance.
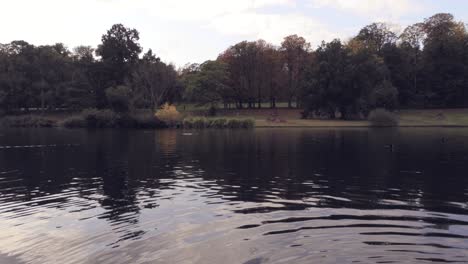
(244, 196)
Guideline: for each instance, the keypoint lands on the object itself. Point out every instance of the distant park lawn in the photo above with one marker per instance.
(284, 117)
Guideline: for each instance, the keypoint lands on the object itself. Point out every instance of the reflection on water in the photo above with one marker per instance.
(262, 196)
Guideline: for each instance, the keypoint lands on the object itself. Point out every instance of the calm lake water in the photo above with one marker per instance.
(260, 196)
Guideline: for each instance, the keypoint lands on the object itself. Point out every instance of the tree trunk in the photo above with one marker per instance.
(42, 99)
(343, 113)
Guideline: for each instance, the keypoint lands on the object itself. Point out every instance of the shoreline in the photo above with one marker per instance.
(369, 126)
(284, 118)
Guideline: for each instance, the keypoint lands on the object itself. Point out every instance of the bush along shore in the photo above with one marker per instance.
(219, 123)
(383, 118)
(167, 117)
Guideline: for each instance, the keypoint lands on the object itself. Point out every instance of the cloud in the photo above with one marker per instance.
(182, 31)
(205, 9)
(380, 9)
(271, 27)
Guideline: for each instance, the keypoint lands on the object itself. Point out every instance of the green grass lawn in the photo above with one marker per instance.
(291, 118)
(285, 117)
(194, 107)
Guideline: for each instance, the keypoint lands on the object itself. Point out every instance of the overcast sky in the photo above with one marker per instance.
(182, 31)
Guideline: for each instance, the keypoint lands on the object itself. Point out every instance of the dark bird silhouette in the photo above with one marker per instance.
(390, 146)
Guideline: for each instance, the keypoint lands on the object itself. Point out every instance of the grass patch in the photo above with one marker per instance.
(28, 121)
(218, 123)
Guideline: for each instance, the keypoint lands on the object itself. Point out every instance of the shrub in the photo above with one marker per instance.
(125, 121)
(247, 123)
(382, 118)
(200, 123)
(212, 111)
(100, 118)
(234, 123)
(119, 98)
(169, 115)
(187, 123)
(218, 123)
(28, 121)
(92, 118)
(74, 122)
(147, 120)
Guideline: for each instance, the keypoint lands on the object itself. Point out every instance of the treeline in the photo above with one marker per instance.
(424, 66)
(113, 75)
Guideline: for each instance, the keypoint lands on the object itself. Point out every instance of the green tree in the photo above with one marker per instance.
(153, 82)
(208, 85)
(342, 79)
(295, 50)
(241, 60)
(385, 96)
(119, 98)
(444, 62)
(376, 35)
(80, 93)
(119, 51)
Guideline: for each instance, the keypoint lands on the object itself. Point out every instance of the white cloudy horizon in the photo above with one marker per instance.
(188, 31)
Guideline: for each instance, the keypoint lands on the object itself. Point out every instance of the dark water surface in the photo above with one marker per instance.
(261, 196)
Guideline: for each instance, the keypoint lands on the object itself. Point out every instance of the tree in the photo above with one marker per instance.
(83, 54)
(208, 84)
(119, 98)
(414, 35)
(273, 73)
(412, 41)
(385, 96)
(153, 81)
(53, 75)
(376, 35)
(80, 93)
(295, 52)
(342, 80)
(119, 51)
(241, 60)
(326, 79)
(400, 60)
(444, 61)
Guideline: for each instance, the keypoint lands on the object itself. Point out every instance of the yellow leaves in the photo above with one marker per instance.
(355, 46)
(169, 114)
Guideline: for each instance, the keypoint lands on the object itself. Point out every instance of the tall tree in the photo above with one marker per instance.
(119, 51)
(412, 42)
(242, 62)
(208, 84)
(81, 93)
(153, 81)
(295, 51)
(444, 63)
(376, 35)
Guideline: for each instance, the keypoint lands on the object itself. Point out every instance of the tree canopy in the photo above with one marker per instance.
(423, 66)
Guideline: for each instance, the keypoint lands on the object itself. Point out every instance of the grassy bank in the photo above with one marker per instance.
(284, 117)
(234, 118)
(93, 118)
(218, 123)
(90, 118)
